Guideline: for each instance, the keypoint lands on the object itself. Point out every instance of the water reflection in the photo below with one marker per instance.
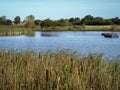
(30, 34)
(82, 42)
(49, 34)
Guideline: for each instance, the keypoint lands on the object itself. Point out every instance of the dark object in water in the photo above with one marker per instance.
(110, 35)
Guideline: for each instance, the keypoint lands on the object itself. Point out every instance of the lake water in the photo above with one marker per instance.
(82, 42)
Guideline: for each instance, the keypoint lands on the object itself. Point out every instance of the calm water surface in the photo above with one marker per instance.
(82, 42)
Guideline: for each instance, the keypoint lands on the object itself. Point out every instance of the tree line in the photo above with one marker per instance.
(30, 21)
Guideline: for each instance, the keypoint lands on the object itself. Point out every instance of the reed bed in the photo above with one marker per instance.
(116, 28)
(80, 28)
(14, 31)
(61, 70)
(20, 30)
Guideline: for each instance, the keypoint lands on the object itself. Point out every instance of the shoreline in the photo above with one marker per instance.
(80, 28)
(21, 29)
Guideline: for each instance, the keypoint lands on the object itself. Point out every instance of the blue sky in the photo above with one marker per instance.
(57, 9)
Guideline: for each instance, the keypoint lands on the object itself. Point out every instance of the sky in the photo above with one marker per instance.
(57, 9)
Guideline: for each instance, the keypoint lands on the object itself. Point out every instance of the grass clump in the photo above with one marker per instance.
(14, 30)
(116, 28)
(60, 70)
(79, 28)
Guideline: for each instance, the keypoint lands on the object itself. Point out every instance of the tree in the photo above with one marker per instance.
(75, 21)
(116, 20)
(30, 25)
(8, 22)
(97, 21)
(17, 20)
(3, 20)
(46, 23)
(37, 22)
(71, 20)
(87, 20)
(63, 22)
(30, 21)
(29, 18)
(108, 22)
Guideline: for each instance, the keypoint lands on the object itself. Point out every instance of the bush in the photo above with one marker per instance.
(30, 25)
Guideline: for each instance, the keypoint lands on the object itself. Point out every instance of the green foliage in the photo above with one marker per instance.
(75, 21)
(8, 22)
(87, 19)
(4, 21)
(17, 20)
(63, 22)
(50, 23)
(29, 18)
(37, 22)
(3, 18)
(116, 20)
(46, 23)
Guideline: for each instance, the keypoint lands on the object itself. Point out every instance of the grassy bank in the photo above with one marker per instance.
(83, 28)
(60, 70)
(14, 31)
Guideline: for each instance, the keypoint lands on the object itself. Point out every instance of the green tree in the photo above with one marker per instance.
(30, 21)
(97, 21)
(17, 20)
(8, 22)
(116, 20)
(87, 20)
(46, 23)
(63, 22)
(29, 18)
(37, 22)
(75, 21)
(3, 20)
(108, 22)
(71, 20)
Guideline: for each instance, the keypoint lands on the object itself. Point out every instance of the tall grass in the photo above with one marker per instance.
(116, 28)
(79, 28)
(14, 30)
(60, 70)
(21, 30)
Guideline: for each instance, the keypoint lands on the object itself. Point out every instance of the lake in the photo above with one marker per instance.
(82, 42)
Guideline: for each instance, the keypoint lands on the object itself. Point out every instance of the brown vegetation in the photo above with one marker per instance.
(116, 28)
(60, 70)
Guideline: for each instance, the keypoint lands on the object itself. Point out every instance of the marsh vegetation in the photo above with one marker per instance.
(61, 70)
(15, 31)
(88, 23)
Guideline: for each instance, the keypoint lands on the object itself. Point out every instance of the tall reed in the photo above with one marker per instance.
(60, 70)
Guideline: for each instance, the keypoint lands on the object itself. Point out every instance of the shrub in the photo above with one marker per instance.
(30, 25)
